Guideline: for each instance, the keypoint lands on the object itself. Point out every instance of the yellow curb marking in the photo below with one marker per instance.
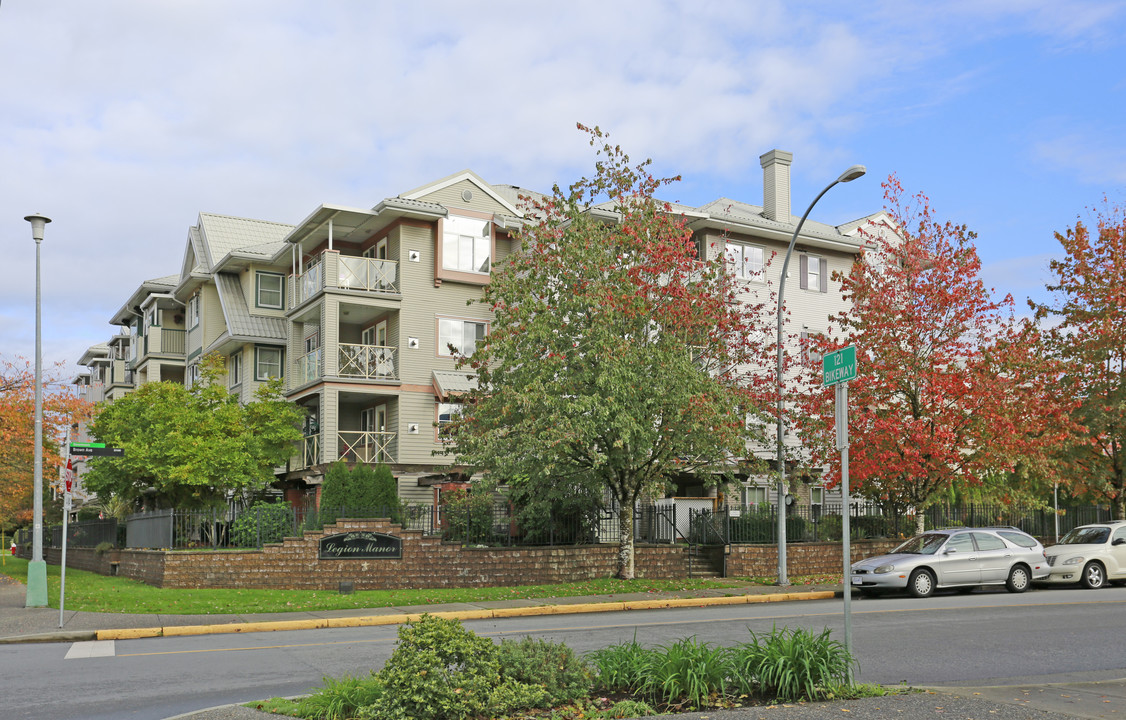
(483, 614)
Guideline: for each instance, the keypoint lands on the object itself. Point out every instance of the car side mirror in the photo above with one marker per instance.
(1119, 541)
(950, 551)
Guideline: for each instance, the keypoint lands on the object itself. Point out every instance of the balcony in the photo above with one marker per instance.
(371, 362)
(345, 272)
(366, 446)
(307, 369)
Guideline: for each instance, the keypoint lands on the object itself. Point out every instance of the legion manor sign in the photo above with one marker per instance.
(360, 544)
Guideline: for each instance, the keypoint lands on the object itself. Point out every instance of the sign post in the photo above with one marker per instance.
(837, 369)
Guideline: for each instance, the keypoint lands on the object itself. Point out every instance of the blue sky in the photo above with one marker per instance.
(123, 120)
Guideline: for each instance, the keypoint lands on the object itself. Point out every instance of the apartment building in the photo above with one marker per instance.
(359, 310)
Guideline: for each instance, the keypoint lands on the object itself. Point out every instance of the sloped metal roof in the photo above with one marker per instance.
(455, 383)
(223, 234)
(240, 322)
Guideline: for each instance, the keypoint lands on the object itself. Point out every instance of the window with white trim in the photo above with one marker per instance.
(747, 262)
(463, 335)
(234, 369)
(269, 290)
(267, 363)
(754, 495)
(467, 244)
(814, 273)
(447, 413)
(193, 311)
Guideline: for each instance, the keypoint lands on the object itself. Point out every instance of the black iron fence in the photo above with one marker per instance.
(825, 522)
(495, 522)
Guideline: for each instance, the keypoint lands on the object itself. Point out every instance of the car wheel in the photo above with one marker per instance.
(1019, 579)
(921, 583)
(1093, 576)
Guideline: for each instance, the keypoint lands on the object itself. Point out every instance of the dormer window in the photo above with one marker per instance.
(269, 290)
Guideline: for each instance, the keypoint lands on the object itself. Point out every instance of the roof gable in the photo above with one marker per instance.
(453, 188)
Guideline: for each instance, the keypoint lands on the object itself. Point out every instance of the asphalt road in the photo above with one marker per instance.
(987, 638)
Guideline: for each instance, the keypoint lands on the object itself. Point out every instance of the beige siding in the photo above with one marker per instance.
(450, 197)
(416, 449)
(411, 494)
(211, 312)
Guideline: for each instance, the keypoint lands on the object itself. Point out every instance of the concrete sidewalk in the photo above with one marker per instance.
(1103, 699)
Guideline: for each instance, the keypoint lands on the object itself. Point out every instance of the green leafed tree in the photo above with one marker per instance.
(617, 357)
(187, 447)
(1088, 334)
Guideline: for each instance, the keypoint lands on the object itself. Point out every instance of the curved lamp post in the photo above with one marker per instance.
(847, 176)
(37, 568)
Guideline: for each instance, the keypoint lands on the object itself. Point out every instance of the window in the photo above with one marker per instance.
(447, 413)
(463, 335)
(809, 341)
(754, 496)
(267, 363)
(814, 273)
(154, 317)
(193, 311)
(269, 290)
(191, 376)
(962, 542)
(746, 261)
(816, 496)
(466, 244)
(234, 369)
(985, 541)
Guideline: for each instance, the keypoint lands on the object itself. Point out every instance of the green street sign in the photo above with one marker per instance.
(96, 450)
(839, 366)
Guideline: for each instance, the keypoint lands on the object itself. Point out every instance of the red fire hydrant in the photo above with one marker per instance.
(13, 547)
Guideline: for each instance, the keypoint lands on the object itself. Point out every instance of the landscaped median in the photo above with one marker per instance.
(478, 614)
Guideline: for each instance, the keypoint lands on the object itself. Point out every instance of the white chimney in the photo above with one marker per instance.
(776, 184)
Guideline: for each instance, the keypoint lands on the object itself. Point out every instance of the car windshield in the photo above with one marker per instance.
(922, 545)
(1086, 536)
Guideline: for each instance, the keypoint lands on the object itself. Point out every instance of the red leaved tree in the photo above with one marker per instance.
(950, 389)
(61, 407)
(1090, 339)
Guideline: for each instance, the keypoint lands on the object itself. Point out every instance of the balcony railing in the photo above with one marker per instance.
(366, 447)
(308, 284)
(308, 368)
(360, 273)
(373, 362)
(347, 272)
(310, 450)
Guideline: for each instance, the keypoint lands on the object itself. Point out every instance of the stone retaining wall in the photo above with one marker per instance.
(428, 562)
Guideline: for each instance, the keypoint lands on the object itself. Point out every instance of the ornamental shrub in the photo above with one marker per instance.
(261, 523)
(554, 667)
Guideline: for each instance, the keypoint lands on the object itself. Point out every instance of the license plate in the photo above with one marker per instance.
(857, 580)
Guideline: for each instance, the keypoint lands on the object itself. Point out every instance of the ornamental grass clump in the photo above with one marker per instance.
(791, 664)
(340, 699)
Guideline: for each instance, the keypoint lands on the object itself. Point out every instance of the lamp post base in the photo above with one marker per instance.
(36, 584)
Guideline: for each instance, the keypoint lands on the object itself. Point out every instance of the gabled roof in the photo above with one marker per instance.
(157, 286)
(223, 235)
(94, 352)
(241, 324)
(464, 175)
(744, 217)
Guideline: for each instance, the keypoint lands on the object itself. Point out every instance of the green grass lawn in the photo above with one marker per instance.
(90, 592)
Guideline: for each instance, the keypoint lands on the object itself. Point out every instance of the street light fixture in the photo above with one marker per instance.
(37, 567)
(847, 176)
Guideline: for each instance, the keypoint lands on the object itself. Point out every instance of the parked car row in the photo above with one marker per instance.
(966, 558)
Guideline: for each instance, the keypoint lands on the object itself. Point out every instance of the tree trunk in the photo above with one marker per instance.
(920, 522)
(625, 541)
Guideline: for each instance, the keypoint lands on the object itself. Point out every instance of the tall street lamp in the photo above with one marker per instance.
(847, 176)
(37, 568)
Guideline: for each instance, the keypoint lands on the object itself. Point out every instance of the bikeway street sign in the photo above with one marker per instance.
(839, 366)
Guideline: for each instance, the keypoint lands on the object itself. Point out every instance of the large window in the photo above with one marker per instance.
(269, 290)
(267, 363)
(463, 335)
(746, 261)
(466, 244)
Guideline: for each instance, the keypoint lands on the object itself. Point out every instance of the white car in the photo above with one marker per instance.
(1090, 555)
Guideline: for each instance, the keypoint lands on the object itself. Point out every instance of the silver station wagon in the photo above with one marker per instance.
(962, 558)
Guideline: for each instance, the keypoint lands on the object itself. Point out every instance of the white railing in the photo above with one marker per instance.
(308, 368)
(310, 451)
(360, 273)
(366, 447)
(374, 362)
